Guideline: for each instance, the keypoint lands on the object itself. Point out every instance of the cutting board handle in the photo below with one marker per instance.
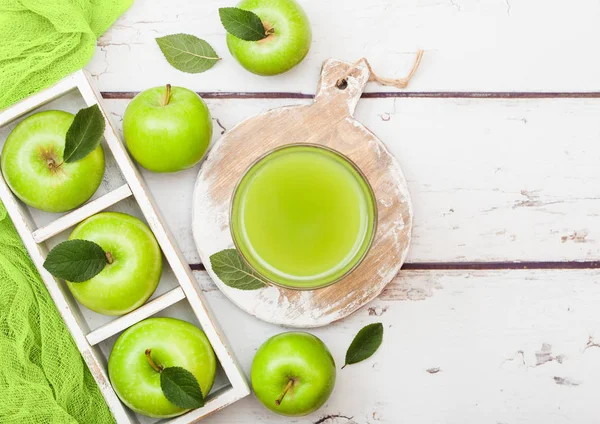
(341, 86)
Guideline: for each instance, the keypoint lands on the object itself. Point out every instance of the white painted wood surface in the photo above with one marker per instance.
(492, 180)
(472, 328)
(492, 45)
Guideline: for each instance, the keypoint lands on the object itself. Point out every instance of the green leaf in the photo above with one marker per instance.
(181, 388)
(233, 271)
(76, 260)
(365, 344)
(84, 134)
(188, 53)
(242, 23)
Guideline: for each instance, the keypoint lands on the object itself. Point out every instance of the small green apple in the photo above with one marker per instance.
(167, 129)
(293, 373)
(33, 167)
(171, 343)
(286, 45)
(134, 268)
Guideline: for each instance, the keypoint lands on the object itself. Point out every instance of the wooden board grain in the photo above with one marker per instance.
(329, 122)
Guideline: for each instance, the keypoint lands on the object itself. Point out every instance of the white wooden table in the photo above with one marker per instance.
(499, 137)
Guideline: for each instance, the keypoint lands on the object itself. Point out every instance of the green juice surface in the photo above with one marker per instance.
(303, 216)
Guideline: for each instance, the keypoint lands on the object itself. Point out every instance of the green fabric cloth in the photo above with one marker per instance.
(43, 378)
(42, 41)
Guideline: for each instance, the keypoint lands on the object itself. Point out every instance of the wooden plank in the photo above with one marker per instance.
(473, 326)
(499, 45)
(491, 180)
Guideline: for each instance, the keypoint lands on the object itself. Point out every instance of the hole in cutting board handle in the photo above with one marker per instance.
(342, 84)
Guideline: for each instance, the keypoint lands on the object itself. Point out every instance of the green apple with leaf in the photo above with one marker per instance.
(167, 129)
(162, 367)
(267, 37)
(293, 373)
(53, 161)
(112, 263)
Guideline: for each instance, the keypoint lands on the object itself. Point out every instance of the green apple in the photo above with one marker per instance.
(293, 373)
(171, 342)
(286, 45)
(33, 167)
(167, 129)
(134, 263)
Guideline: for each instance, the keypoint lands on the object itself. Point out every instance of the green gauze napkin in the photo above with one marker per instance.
(43, 378)
(42, 41)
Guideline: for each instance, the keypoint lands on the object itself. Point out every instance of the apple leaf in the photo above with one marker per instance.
(242, 23)
(181, 388)
(76, 260)
(84, 134)
(233, 271)
(365, 344)
(188, 53)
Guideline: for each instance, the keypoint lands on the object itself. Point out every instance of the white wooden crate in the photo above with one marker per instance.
(38, 238)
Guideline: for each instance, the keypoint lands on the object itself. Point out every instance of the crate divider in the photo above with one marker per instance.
(74, 217)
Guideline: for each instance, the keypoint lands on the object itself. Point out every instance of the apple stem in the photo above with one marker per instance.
(109, 258)
(53, 165)
(157, 368)
(287, 388)
(167, 96)
(269, 29)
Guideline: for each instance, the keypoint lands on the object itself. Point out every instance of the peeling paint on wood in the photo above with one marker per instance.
(545, 355)
(335, 419)
(578, 236)
(406, 289)
(565, 381)
(377, 310)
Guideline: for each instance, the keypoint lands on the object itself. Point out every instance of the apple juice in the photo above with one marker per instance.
(303, 216)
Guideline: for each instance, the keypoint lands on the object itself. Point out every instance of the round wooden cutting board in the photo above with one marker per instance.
(328, 121)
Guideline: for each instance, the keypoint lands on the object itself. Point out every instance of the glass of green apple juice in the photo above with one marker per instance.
(303, 216)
